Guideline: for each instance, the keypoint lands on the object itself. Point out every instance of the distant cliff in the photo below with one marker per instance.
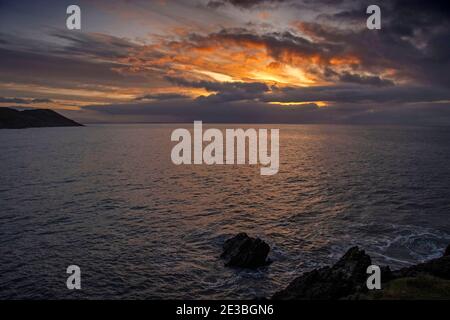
(13, 119)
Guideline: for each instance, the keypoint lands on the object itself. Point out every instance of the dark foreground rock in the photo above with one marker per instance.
(421, 287)
(439, 267)
(447, 251)
(14, 119)
(347, 280)
(348, 275)
(245, 252)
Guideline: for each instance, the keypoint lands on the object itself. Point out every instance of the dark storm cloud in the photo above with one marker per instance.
(63, 71)
(413, 39)
(24, 100)
(367, 80)
(225, 91)
(259, 112)
(360, 94)
(75, 49)
(76, 60)
(41, 68)
(275, 42)
(231, 87)
(94, 44)
(14, 100)
(202, 109)
(361, 89)
(161, 96)
(71, 45)
(40, 100)
(241, 3)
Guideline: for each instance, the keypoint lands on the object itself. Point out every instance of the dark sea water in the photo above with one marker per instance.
(109, 199)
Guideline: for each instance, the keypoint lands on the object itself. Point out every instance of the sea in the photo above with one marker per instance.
(108, 198)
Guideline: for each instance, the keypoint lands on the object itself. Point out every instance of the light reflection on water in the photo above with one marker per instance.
(108, 199)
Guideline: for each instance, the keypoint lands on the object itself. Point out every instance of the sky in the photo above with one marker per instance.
(248, 61)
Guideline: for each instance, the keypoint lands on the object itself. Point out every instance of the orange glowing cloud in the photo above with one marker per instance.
(223, 58)
(239, 57)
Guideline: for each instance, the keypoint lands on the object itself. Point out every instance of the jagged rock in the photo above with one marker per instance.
(346, 277)
(245, 252)
(447, 251)
(386, 274)
(347, 280)
(439, 267)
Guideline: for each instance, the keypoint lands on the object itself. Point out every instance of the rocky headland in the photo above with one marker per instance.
(33, 118)
(347, 278)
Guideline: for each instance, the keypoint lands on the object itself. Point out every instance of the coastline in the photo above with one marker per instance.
(347, 280)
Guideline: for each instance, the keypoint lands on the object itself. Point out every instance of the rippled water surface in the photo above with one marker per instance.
(108, 198)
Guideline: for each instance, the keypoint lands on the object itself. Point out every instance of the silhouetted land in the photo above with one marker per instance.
(346, 279)
(14, 119)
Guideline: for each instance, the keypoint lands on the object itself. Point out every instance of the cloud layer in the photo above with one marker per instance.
(236, 61)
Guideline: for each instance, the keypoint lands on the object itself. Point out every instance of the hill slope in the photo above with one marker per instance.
(13, 119)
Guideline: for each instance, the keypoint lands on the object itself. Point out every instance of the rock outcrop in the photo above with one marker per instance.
(347, 280)
(245, 252)
(439, 267)
(14, 119)
(347, 276)
(447, 251)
